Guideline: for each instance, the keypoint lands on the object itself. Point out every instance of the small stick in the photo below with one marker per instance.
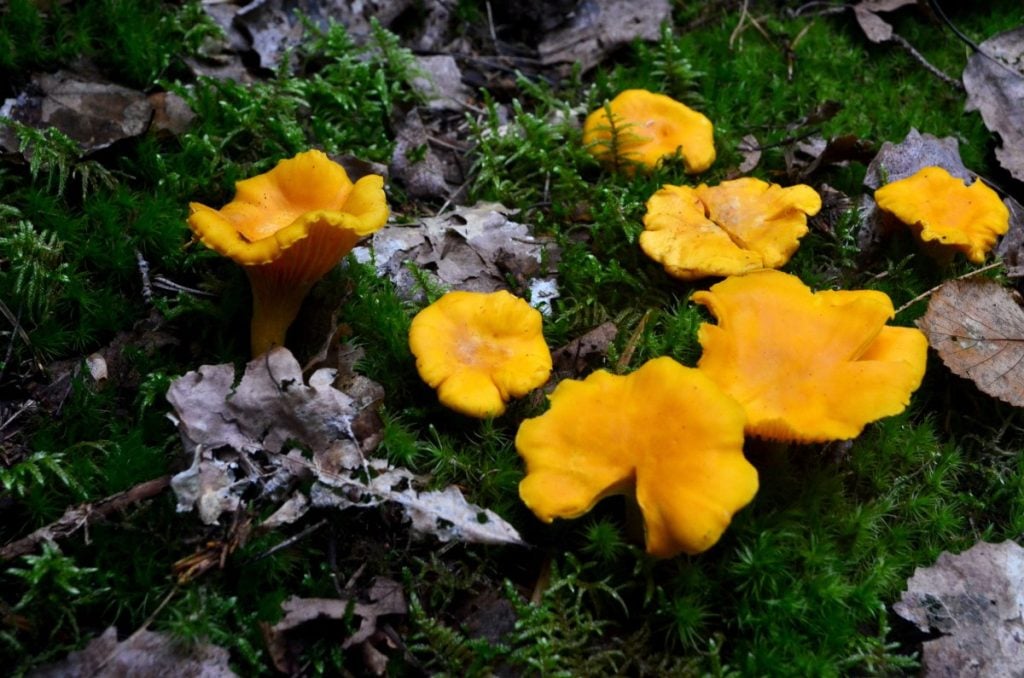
(83, 515)
(147, 287)
(925, 295)
(288, 542)
(902, 42)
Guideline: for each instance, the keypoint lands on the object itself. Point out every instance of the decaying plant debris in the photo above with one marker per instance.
(225, 517)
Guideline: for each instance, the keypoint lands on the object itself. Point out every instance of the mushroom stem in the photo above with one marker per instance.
(273, 310)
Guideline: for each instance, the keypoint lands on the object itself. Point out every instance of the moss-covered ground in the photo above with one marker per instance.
(803, 580)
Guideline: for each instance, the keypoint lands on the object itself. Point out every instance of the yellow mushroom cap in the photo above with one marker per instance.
(645, 127)
(729, 229)
(806, 366)
(941, 208)
(288, 227)
(666, 430)
(479, 350)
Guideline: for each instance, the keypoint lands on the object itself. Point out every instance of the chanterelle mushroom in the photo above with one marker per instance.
(940, 208)
(644, 128)
(288, 227)
(735, 227)
(666, 432)
(479, 350)
(808, 366)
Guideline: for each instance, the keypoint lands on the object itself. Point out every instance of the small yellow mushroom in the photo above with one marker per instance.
(941, 209)
(288, 228)
(646, 127)
(479, 350)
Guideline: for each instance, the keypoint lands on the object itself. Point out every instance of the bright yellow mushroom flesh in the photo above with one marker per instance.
(288, 227)
(941, 209)
(733, 228)
(645, 128)
(805, 366)
(665, 431)
(479, 350)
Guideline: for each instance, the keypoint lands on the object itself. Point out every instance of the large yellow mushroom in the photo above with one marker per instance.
(808, 366)
(288, 227)
(646, 127)
(729, 229)
(665, 432)
(941, 209)
(479, 350)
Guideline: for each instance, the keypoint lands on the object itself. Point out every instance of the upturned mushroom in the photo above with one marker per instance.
(479, 350)
(943, 210)
(644, 128)
(735, 227)
(665, 433)
(808, 366)
(287, 228)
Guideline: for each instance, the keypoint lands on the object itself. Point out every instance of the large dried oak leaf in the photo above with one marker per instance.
(977, 328)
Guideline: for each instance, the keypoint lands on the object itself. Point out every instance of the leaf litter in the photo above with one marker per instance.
(977, 328)
(994, 80)
(975, 600)
(143, 654)
(253, 435)
(478, 248)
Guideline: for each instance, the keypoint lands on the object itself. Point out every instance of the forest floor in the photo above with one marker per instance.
(118, 115)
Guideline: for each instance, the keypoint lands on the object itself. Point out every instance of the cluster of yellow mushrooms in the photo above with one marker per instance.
(782, 362)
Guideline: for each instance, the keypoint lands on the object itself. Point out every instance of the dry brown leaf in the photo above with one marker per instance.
(439, 83)
(750, 149)
(899, 161)
(384, 597)
(443, 513)
(145, 654)
(414, 163)
(268, 411)
(1011, 248)
(876, 28)
(994, 80)
(586, 352)
(600, 27)
(975, 599)
(244, 436)
(92, 112)
(477, 248)
(977, 328)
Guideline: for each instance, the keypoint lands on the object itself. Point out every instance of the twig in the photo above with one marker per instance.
(288, 542)
(925, 295)
(739, 24)
(84, 514)
(490, 24)
(147, 288)
(163, 283)
(902, 42)
(28, 404)
(631, 344)
(828, 8)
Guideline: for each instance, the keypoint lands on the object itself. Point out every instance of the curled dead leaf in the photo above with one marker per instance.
(977, 328)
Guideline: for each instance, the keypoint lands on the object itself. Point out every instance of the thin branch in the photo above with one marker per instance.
(83, 515)
(925, 295)
(919, 58)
